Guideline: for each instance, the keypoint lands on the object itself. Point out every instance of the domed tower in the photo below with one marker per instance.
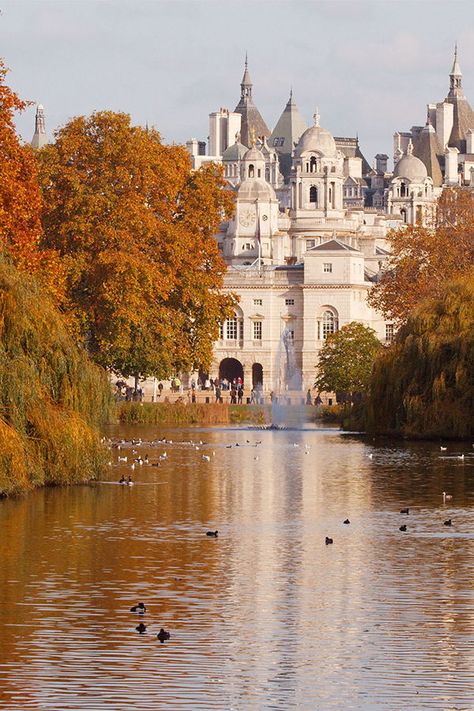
(232, 159)
(317, 176)
(410, 193)
(253, 233)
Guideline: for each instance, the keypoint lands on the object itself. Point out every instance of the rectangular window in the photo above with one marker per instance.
(276, 141)
(291, 333)
(289, 302)
(257, 330)
(221, 331)
(231, 329)
(310, 243)
(389, 332)
(327, 267)
(258, 302)
(241, 329)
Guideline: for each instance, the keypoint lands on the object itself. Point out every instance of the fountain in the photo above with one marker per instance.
(288, 408)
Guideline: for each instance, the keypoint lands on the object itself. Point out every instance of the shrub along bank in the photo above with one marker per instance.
(182, 414)
(423, 385)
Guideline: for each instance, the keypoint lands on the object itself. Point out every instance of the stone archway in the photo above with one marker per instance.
(257, 376)
(231, 368)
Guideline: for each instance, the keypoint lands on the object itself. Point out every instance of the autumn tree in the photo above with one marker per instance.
(423, 259)
(20, 198)
(346, 360)
(135, 227)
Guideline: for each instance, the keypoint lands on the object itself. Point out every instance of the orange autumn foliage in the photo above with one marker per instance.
(135, 228)
(424, 259)
(20, 199)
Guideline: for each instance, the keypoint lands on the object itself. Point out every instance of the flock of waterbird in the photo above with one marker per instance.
(137, 460)
(141, 628)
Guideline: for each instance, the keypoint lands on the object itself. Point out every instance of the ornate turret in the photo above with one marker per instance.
(251, 117)
(463, 116)
(39, 137)
(455, 77)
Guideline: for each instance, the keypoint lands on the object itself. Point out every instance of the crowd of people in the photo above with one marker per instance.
(218, 387)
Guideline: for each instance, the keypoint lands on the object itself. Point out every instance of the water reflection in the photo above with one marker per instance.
(266, 616)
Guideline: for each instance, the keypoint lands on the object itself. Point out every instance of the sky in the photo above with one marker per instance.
(369, 66)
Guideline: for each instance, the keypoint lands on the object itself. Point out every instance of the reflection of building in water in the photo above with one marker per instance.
(307, 240)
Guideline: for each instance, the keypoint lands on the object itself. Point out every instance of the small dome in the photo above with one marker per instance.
(235, 152)
(255, 188)
(411, 168)
(317, 139)
(254, 154)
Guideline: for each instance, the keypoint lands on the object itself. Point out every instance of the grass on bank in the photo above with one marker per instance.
(52, 398)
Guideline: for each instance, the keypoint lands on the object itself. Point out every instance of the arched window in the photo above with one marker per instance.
(328, 324)
(403, 190)
(313, 194)
(403, 213)
(251, 171)
(313, 164)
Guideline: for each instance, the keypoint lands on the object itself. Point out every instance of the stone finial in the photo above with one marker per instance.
(253, 137)
(410, 148)
(316, 117)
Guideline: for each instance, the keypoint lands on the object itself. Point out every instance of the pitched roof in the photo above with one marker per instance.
(463, 120)
(333, 245)
(427, 149)
(289, 128)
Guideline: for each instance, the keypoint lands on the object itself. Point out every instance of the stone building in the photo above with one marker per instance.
(308, 238)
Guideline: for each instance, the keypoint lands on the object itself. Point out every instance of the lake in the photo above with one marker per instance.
(266, 615)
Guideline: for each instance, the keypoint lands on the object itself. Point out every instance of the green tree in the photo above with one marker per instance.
(346, 360)
(135, 228)
(423, 385)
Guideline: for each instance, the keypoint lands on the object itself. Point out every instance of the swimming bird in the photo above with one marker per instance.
(141, 628)
(163, 635)
(140, 608)
(206, 458)
(443, 449)
(212, 533)
(446, 497)
(404, 511)
(130, 481)
(370, 456)
(163, 456)
(448, 522)
(328, 541)
(346, 521)
(402, 528)
(461, 456)
(122, 459)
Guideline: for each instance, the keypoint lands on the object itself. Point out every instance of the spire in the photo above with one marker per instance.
(316, 117)
(251, 117)
(39, 137)
(455, 76)
(410, 148)
(246, 83)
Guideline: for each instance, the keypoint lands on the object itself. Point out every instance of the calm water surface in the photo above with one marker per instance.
(266, 616)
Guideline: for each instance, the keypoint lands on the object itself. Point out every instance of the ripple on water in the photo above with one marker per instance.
(266, 616)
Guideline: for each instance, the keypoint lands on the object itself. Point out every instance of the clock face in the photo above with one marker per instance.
(247, 217)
